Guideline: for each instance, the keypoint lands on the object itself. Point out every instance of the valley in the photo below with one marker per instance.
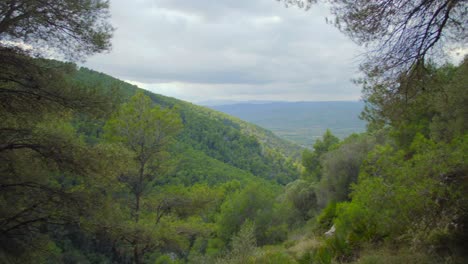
(300, 122)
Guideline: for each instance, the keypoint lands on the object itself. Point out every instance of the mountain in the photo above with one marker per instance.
(234, 149)
(301, 122)
(211, 103)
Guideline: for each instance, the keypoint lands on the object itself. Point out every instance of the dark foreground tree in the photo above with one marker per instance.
(73, 28)
(49, 176)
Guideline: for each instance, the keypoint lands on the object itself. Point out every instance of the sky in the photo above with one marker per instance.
(240, 50)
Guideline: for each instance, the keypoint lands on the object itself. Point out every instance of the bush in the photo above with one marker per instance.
(324, 220)
(411, 201)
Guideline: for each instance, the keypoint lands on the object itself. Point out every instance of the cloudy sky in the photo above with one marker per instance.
(204, 50)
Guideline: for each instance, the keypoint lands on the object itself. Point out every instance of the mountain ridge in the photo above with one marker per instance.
(219, 136)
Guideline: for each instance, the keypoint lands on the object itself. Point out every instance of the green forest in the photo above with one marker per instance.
(96, 170)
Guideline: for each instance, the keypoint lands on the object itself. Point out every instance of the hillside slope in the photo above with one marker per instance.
(216, 135)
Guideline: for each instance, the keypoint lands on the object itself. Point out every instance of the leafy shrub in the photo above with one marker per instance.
(404, 200)
(325, 219)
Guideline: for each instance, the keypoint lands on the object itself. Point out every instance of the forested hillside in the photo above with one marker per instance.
(157, 158)
(301, 122)
(216, 135)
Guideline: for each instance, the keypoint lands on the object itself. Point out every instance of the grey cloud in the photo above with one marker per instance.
(231, 45)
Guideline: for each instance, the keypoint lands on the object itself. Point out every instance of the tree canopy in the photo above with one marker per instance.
(399, 34)
(146, 131)
(74, 28)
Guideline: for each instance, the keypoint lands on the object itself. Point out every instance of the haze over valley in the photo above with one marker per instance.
(300, 122)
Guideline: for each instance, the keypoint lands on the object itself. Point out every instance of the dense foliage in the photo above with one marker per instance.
(50, 177)
(408, 185)
(101, 183)
(93, 161)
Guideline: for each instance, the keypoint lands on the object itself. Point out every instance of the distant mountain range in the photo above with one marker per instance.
(210, 103)
(300, 122)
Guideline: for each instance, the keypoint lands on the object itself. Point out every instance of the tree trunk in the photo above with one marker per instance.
(136, 255)
(139, 191)
(137, 207)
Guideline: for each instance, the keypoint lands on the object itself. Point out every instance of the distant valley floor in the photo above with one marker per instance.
(300, 122)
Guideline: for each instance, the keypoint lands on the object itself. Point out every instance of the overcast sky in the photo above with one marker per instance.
(203, 50)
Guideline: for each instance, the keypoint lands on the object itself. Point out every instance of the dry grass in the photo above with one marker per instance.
(385, 255)
(303, 245)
